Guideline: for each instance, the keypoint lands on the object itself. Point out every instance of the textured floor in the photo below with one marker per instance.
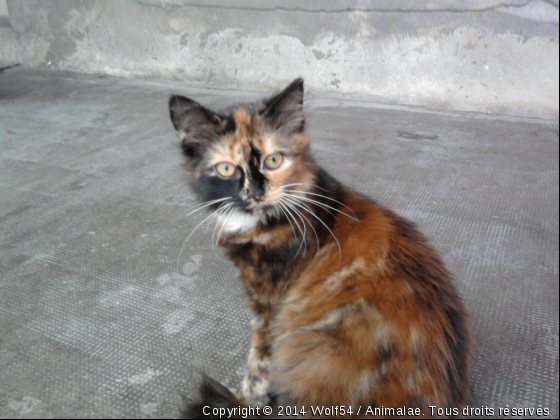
(100, 314)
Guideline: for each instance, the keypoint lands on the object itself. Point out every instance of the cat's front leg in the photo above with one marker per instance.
(256, 384)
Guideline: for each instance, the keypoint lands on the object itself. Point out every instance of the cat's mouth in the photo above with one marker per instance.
(258, 209)
(261, 211)
(261, 205)
(241, 214)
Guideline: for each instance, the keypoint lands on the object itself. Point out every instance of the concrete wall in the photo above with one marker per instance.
(8, 55)
(496, 56)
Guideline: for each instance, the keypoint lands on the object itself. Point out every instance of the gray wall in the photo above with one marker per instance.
(8, 55)
(496, 56)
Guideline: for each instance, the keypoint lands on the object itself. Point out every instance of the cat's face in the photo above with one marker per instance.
(248, 159)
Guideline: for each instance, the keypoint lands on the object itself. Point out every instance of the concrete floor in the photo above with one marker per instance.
(100, 314)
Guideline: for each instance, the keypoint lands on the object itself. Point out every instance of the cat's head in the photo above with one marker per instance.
(247, 157)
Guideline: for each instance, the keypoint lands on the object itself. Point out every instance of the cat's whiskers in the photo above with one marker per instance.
(302, 231)
(287, 218)
(299, 213)
(304, 184)
(303, 237)
(307, 209)
(302, 217)
(207, 204)
(199, 225)
(225, 208)
(323, 205)
(319, 195)
(235, 208)
(302, 201)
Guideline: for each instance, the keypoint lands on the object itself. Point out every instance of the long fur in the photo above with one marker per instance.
(351, 304)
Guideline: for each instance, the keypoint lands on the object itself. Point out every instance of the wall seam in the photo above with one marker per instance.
(503, 5)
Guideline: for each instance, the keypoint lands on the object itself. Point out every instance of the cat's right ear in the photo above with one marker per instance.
(195, 124)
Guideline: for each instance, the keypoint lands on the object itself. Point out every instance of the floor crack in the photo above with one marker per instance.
(3, 69)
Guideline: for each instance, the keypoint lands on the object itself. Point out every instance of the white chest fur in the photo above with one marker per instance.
(238, 222)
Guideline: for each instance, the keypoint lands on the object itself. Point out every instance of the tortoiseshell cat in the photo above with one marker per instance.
(351, 304)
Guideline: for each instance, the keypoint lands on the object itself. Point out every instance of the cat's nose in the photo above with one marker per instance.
(256, 192)
(256, 196)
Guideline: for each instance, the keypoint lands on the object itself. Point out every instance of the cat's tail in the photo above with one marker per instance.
(214, 400)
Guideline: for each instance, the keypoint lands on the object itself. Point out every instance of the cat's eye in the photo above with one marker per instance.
(274, 160)
(226, 169)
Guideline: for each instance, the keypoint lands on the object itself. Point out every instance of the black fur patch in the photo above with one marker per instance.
(385, 354)
(457, 373)
(256, 178)
(212, 394)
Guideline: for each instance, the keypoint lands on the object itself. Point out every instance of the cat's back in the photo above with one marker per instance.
(375, 321)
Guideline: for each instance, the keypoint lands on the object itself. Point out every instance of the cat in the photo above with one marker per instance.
(351, 305)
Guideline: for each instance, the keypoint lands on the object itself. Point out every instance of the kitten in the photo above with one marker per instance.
(351, 304)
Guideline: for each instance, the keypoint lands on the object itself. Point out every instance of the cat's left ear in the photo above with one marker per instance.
(286, 108)
(195, 124)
